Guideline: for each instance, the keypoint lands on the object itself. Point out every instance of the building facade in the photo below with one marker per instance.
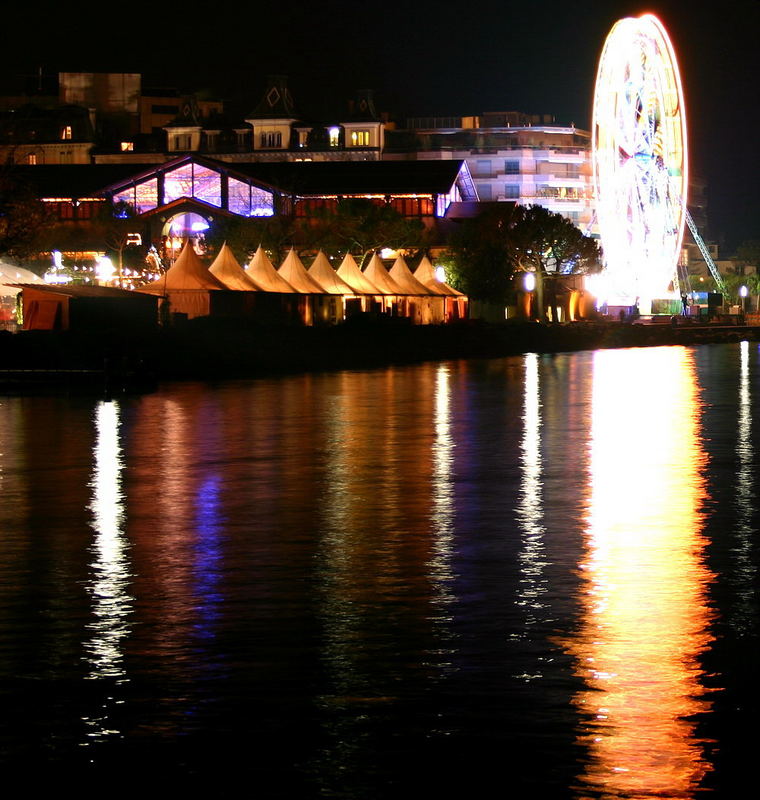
(511, 156)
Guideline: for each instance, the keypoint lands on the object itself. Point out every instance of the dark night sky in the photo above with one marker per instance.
(428, 58)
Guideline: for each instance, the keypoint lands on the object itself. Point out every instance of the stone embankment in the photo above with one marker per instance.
(212, 349)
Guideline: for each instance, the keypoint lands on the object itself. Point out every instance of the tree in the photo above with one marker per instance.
(487, 252)
(748, 253)
(546, 242)
(480, 257)
(244, 234)
(22, 217)
(360, 227)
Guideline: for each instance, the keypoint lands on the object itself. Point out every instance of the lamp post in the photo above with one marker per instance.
(529, 285)
(743, 292)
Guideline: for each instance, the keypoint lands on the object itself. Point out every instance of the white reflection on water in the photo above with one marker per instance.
(645, 615)
(743, 617)
(530, 515)
(442, 490)
(110, 569)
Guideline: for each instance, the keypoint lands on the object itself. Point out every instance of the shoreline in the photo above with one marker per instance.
(225, 349)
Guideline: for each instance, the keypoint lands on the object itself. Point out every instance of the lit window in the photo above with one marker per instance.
(334, 137)
(66, 132)
(127, 147)
(182, 141)
(360, 138)
(271, 139)
(31, 158)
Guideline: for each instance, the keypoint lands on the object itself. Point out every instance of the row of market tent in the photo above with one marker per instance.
(317, 295)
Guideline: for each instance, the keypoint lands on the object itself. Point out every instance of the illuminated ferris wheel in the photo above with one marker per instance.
(640, 158)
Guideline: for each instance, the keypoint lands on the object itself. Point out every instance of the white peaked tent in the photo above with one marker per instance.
(401, 273)
(294, 272)
(422, 306)
(349, 272)
(425, 274)
(380, 276)
(263, 274)
(188, 272)
(328, 278)
(187, 284)
(455, 303)
(227, 269)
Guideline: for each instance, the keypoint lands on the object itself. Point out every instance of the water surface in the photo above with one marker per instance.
(537, 573)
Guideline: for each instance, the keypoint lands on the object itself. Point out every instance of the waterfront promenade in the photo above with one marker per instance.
(223, 348)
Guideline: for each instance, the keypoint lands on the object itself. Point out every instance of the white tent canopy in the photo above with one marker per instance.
(401, 273)
(187, 272)
(355, 278)
(12, 274)
(263, 273)
(227, 269)
(327, 277)
(294, 272)
(425, 274)
(379, 275)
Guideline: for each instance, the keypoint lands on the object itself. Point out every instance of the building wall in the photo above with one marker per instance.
(549, 166)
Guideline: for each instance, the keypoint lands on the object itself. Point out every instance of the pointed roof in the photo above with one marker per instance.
(188, 116)
(363, 107)
(187, 272)
(227, 269)
(276, 102)
(401, 273)
(294, 272)
(355, 278)
(262, 272)
(380, 276)
(425, 274)
(327, 277)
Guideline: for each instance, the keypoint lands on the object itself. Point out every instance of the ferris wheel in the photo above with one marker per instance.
(640, 158)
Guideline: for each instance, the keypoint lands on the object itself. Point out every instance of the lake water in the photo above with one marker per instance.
(526, 577)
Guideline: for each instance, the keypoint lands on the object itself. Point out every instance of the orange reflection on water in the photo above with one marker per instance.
(645, 615)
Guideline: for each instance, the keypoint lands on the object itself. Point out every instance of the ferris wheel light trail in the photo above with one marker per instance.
(640, 159)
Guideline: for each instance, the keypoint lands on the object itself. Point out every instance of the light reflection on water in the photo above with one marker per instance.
(112, 604)
(746, 529)
(533, 584)
(645, 621)
(343, 578)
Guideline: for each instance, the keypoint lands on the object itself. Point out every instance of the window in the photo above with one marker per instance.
(193, 180)
(66, 132)
(483, 169)
(334, 137)
(181, 141)
(511, 191)
(164, 109)
(142, 197)
(511, 167)
(271, 139)
(484, 191)
(360, 139)
(31, 158)
(127, 147)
